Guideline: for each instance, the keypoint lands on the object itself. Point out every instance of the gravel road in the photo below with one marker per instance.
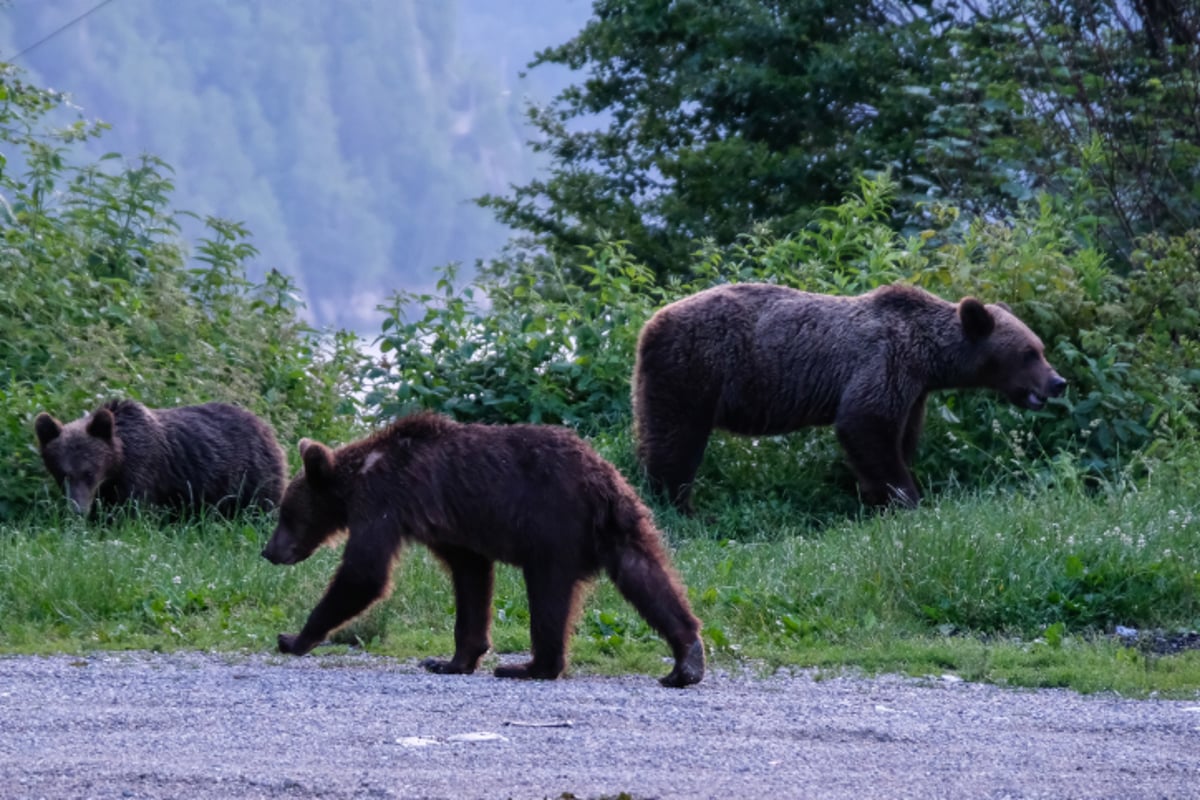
(198, 726)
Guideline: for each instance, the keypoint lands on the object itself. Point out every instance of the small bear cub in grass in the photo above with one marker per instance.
(534, 496)
(208, 456)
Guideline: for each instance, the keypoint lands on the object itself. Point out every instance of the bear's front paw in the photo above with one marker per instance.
(528, 671)
(290, 643)
(441, 666)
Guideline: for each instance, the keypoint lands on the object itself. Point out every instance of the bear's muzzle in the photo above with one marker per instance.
(281, 549)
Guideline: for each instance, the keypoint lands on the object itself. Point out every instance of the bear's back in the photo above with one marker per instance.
(510, 491)
(213, 454)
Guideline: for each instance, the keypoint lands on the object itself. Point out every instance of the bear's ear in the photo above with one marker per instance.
(47, 428)
(101, 424)
(977, 321)
(318, 462)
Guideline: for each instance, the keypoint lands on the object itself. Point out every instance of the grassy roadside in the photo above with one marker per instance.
(1023, 588)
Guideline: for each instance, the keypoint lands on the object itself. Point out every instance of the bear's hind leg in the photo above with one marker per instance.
(653, 589)
(671, 459)
(553, 590)
(473, 577)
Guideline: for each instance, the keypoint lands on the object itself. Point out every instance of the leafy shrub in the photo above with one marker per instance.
(531, 348)
(520, 343)
(98, 299)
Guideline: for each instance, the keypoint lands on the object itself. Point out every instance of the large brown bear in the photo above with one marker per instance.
(529, 495)
(207, 456)
(759, 359)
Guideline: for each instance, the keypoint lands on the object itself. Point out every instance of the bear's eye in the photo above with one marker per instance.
(1032, 356)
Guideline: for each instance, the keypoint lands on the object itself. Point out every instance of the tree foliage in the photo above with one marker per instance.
(695, 121)
(699, 119)
(1089, 99)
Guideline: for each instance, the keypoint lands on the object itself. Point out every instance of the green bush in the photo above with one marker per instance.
(522, 344)
(529, 348)
(99, 299)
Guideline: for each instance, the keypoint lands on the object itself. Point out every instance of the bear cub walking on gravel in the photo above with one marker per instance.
(759, 359)
(534, 496)
(213, 455)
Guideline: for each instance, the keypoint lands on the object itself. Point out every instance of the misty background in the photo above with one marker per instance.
(351, 137)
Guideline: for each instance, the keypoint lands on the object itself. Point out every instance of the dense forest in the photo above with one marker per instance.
(350, 137)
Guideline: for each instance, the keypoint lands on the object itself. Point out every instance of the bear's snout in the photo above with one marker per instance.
(79, 497)
(1035, 399)
(279, 550)
(275, 557)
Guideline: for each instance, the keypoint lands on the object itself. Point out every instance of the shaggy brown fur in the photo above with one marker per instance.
(534, 496)
(759, 359)
(213, 455)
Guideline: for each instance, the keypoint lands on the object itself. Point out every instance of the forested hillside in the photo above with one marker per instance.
(350, 137)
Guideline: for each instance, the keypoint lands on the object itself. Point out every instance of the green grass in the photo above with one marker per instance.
(1021, 587)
